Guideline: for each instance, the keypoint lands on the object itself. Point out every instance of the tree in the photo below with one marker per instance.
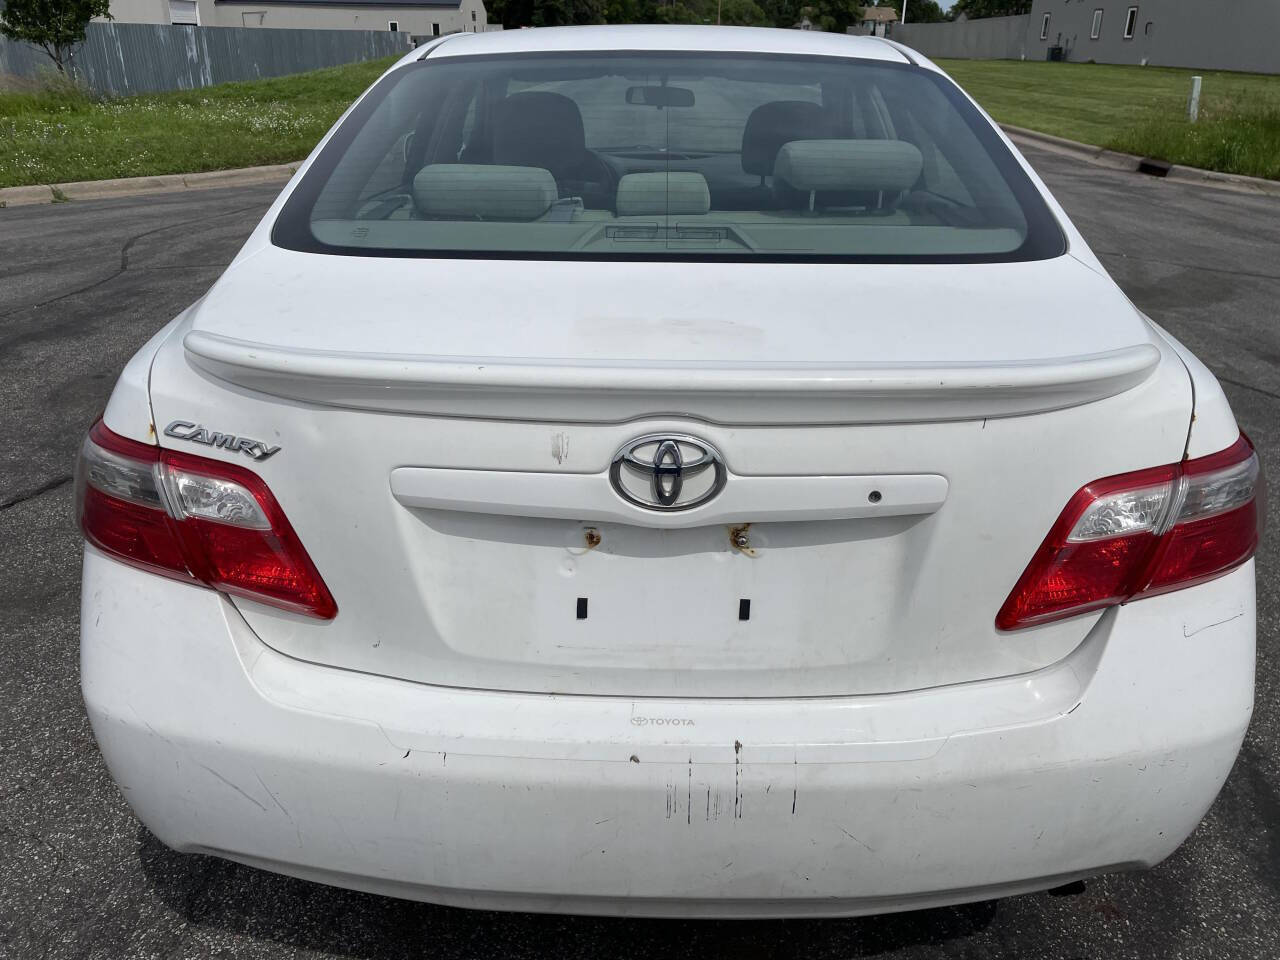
(919, 11)
(55, 26)
(743, 13)
(513, 14)
(834, 16)
(567, 13)
(624, 11)
(781, 13)
(977, 9)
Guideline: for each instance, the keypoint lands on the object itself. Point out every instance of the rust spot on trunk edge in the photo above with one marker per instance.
(740, 539)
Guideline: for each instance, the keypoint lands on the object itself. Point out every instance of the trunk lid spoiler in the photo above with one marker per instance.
(612, 391)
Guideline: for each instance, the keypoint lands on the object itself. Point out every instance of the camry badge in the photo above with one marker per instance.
(195, 433)
(667, 472)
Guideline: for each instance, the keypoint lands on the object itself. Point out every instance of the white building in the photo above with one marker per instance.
(419, 18)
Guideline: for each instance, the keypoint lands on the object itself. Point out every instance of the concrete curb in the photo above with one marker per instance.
(1084, 151)
(132, 186)
(1130, 162)
(1223, 181)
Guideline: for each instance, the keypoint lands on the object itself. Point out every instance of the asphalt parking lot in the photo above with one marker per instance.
(83, 285)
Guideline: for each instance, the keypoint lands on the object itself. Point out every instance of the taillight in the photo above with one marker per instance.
(121, 508)
(1143, 533)
(194, 519)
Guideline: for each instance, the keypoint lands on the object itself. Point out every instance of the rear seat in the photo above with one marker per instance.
(808, 175)
(674, 193)
(473, 191)
(816, 174)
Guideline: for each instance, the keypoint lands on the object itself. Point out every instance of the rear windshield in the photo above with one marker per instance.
(668, 156)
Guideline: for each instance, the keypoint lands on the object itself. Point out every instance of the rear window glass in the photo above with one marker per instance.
(668, 156)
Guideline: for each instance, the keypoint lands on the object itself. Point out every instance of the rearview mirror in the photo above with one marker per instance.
(660, 96)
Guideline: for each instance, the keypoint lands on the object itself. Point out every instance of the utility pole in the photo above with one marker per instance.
(904, 11)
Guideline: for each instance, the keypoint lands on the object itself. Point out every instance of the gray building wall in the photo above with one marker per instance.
(1222, 35)
(418, 19)
(127, 58)
(468, 16)
(1239, 35)
(993, 38)
(140, 11)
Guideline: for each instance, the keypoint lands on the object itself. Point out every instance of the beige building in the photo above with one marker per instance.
(419, 18)
(875, 21)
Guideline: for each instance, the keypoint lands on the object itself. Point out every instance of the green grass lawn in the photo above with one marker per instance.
(1138, 110)
(60, 135)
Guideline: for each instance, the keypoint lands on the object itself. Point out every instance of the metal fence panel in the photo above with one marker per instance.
(126, 58)
(992, 38)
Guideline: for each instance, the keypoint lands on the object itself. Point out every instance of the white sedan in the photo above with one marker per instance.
(669, 471)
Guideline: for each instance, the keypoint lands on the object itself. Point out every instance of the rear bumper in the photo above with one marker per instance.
(837, 806)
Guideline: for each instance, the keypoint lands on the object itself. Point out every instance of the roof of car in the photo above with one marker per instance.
(669, 38)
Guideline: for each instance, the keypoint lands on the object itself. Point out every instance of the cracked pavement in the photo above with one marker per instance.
(83, 285)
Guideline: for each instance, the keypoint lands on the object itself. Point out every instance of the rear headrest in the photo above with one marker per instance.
(770, 125)
(888, 165)
(469, 191)
(539, 129)
(656, 194)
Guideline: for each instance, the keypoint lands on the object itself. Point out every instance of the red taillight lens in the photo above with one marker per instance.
(238, 539)
(194, 519)
(1143, 533)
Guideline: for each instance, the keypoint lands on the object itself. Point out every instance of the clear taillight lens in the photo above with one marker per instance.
(194, 519)
(1143, 533)
(120, 505)
(1221, 515)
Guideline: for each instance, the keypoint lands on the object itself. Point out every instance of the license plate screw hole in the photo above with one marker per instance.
(875, 496)
(740, 539)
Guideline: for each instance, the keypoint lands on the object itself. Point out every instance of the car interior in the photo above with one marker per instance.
(595, 158)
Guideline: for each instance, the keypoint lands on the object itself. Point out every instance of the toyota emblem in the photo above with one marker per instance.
(667, 472)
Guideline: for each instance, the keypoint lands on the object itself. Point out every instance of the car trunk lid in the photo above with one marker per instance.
(896, 441)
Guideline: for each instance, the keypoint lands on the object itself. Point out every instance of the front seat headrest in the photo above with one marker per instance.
(539, 129)
(770, 125)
